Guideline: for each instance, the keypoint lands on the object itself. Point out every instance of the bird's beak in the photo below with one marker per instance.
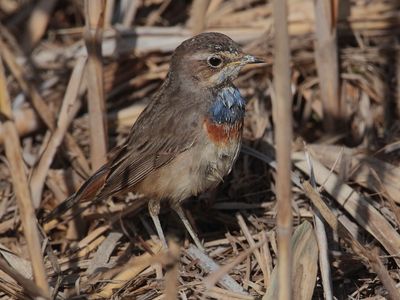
(250, 59)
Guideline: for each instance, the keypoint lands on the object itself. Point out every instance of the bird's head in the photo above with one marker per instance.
(209, 59)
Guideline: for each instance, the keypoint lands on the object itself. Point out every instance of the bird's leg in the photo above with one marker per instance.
(177, 207)
(154, 210)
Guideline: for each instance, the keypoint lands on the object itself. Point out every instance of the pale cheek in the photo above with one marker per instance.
(225, 74)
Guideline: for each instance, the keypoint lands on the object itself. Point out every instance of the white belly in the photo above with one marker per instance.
(192, 172)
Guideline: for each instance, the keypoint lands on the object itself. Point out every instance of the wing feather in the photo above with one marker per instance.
(168, 126)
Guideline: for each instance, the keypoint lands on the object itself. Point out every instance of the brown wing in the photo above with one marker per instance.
(135, 164)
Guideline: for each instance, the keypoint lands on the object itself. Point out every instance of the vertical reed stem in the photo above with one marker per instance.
(326, 58)
(283, 139)
(21, 188)
(94, 13)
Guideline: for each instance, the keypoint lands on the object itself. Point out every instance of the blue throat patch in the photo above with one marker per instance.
(228, 107)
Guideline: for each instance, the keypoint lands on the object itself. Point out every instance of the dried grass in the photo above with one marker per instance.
(108, 251)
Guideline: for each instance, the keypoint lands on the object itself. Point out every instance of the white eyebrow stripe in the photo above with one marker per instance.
(201, 56)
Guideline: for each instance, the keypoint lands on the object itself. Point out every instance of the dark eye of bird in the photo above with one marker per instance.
(214, 61)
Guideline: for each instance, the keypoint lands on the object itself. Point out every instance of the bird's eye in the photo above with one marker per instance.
(214, 61)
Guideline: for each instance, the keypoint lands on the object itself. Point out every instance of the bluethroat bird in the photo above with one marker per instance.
(187, 138)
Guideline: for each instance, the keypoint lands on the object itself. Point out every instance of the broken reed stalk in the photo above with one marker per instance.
(129, 271)
(220, 274)
(371, 257)
(94, 14)
(283, 137)
(356, 205)
(21, 188)
(68, 111)
(321, 239)
(43, 110)
(29, 286)
(261, 261)
(326, 58)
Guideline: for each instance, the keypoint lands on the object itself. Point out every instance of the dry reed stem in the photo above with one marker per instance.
(397, 59)
(38, 102)
(130, 12)
(355, 204)
(371, 256)
(282, 114)
(250, 278)
(392, 203)
(172, 274)
(341, 223)
(28, 285)
(94, 15)
(305, 265)
(322, 241)
(261, 261)
(68, 111)
(214, 6)
(84, 251)
(94, 234)
(266, 254)
(37, 23)
(155, 16)
(221, 294)
(198, 15)
(219, 274)
(208, 265)
(25, 120)
(326, 54)
(21, 188)
(109, 13)
(42, 109)
(130, 271)
(374, 20)
(368, 171)
(103, 253)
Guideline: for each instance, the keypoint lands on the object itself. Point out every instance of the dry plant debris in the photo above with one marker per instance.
(345, 162)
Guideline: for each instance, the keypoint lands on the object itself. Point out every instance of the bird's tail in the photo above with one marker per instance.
(91, 190)
(68, 203)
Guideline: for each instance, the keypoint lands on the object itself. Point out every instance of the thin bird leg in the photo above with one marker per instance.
(154, 210)
(177, 207)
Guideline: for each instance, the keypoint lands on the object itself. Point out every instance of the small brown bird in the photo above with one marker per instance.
(187, 138)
